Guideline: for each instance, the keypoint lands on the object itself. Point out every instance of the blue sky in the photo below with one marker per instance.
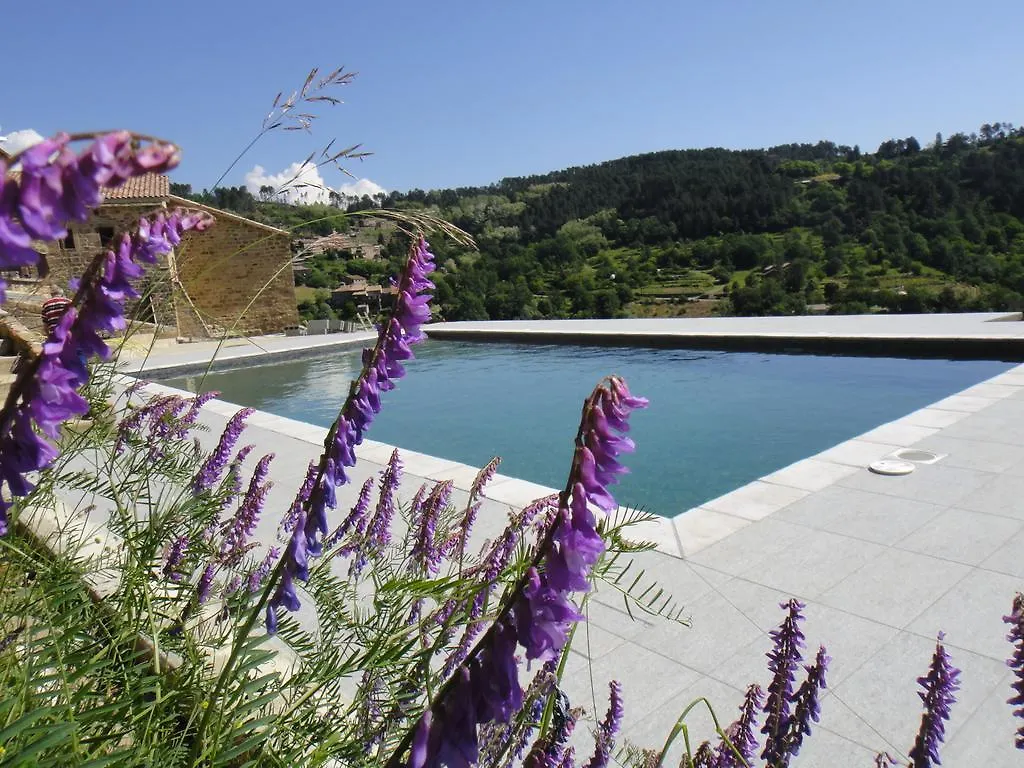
(469, 91)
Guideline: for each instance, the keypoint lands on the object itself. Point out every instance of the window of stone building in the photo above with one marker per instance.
(68, 243)
(106, 235)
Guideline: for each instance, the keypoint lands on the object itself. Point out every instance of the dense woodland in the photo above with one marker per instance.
(785, 230)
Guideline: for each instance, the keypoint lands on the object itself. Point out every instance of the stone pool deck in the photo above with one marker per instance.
(140, 354)
(883, 563)
(991, 334)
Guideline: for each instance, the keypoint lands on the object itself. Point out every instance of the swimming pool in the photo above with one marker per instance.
(717, 420)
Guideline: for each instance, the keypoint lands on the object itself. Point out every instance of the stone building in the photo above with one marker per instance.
(235, 277)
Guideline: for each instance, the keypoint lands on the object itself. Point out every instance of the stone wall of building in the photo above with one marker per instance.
(222, 270)
(69, 258)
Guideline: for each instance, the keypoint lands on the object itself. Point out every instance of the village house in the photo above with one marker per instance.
(366, 297)
(205, 287)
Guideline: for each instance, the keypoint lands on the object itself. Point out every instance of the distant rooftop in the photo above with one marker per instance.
(150, 186)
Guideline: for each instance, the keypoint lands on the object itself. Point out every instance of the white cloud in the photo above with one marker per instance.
(304, 184)
(15, 142)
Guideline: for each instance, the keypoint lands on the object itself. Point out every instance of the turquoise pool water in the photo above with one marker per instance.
(717, 420)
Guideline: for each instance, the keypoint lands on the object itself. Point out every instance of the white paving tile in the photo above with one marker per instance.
(648, 678)
(933, 483)
(896, 587)
(516, 492)
(993, 391)
(963, 536)
(933, 417)
(963, 403)
(756, 500)
(699, 528)
(750, 545)
(878, 705)
(1002, 495)
(718, 629)
(971, 613)
(986, 738)
(857, 453)
(1007, 559)
(810, 474)
(973, 454)
(816, 562)
(861, 514)
(461, 475)
(421, 464)
(897, 433)
(650, 730)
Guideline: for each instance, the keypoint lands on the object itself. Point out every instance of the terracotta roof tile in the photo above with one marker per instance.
(151, 186)
(147, 187)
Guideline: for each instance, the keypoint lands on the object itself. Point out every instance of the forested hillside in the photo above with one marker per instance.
(789, 229)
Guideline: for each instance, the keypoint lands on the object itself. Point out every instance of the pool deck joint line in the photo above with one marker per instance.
(883, 564)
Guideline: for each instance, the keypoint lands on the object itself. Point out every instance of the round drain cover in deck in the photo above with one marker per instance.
(891, 467)
(917, 455)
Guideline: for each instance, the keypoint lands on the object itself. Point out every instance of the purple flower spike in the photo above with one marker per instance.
(427, 552)
(783, 661)
(806, 706)
(1016, 662)
(301, 498)
(939, 688)
(542, 612)
(390, 478)
(608, 729)
(210, 472)
(205, 584)
(353, 526)
(260, 572)
(381, 367)
(49, 397)
(741, 734)
(175, 556)
(248, 514)
(484, 476)
(544, 616)
(577, 545)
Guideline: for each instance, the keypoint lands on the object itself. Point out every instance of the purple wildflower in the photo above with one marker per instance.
(608, 729)
(938, 694)
(205, 584)
(542, 610)
(704, 757)
(577, 545)
(210, 472)
(544, 616)
(1016, 661)
(469, 635)
(57, 186)
(548, 752)
(885, 760)
(46, 393)
(806, 706)
(484, 476)
(296, 566)
(741, 734)
(175, 556)
(380, 527)
(248, 514)
(301, 498)
(354, 525)
(131, 425)
(189, 419)
(427, 552)
(260, 572)
(784, 658)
